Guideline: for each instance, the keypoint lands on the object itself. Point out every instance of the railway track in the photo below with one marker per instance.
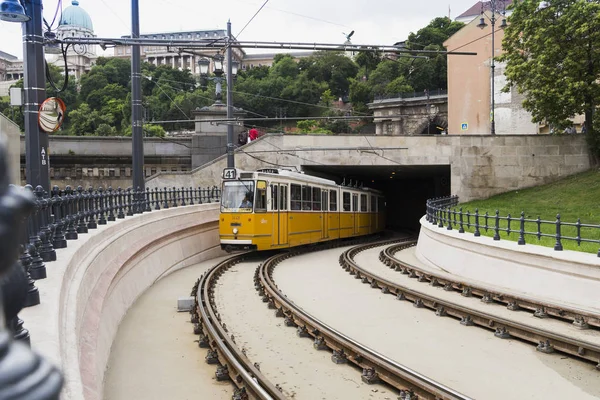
(375, 367)
(232, 362)
(580, 318)
(546, 341)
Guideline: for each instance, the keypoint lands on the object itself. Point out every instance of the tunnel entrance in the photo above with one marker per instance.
(406, 187)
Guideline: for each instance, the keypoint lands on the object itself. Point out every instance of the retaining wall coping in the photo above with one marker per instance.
(97, 277)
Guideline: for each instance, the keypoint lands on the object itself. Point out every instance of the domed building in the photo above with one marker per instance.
(76, 22)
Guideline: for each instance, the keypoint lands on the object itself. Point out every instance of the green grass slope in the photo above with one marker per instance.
(577, 196)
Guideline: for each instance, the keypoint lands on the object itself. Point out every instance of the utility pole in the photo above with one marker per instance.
(37, 160)
(230, 155)
(136, 102)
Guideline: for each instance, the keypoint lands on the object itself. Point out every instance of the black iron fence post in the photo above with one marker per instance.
(83, 209)
(461, 229)
(71, 233)
(477, 232)
(111, 204)
(521, 240)
(497, 226)
(92, 204)
(120, 213)
(59, 241)
(558, 245)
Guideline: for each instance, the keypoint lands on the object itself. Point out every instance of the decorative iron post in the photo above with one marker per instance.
(23, 374)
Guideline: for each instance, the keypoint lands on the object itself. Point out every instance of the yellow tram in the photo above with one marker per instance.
(275, 208)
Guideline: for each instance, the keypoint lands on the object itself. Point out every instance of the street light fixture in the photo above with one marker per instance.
(494, 8)
(218, 70)
(13, 11)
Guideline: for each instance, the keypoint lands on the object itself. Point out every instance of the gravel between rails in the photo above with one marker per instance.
(467, 359)
(284, 358)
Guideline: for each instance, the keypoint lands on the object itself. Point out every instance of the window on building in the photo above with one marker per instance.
(389, 128)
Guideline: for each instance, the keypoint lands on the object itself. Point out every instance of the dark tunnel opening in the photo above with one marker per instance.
(406, 187)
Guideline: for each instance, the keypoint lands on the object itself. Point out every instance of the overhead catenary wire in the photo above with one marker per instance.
(348, 117)
(222, 42)
(262, 96)
(166, 94)
(255, 14)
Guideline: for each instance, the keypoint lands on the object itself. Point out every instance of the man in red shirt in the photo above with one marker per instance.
(252, 134)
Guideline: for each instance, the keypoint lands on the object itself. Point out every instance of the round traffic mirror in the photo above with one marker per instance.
(51, 115)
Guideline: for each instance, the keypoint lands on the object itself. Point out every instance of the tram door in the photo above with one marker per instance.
(279, 214)
(324, 214)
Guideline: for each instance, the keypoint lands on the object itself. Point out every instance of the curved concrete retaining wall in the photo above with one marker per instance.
(561, 277)
(99, 276)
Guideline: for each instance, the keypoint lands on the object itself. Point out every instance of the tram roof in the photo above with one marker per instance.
(301, 176)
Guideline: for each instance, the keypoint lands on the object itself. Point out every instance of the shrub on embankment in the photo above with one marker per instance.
(575, 197)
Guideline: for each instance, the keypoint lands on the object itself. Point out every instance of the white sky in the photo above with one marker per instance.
(374, 21)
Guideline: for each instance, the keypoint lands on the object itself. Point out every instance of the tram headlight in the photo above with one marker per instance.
(235, 231)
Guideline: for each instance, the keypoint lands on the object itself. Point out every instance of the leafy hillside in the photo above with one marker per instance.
(573, 197)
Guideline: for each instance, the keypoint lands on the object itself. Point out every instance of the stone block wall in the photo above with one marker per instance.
(481, 165)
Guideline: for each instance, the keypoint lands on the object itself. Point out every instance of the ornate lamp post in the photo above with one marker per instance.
(232, 68)
(204, 64)
(494, 8)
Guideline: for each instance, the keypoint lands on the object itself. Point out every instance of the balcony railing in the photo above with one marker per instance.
(412, 95)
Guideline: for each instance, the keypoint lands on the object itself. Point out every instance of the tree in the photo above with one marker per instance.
(552, 56)
(284, 66)
(429, 73)
(435, 33)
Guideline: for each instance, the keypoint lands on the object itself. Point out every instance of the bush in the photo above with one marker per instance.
(106, 130)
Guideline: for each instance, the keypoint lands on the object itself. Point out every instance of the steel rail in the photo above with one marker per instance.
(235, 365)
(580, 318)
(375, 365)
(547, 342)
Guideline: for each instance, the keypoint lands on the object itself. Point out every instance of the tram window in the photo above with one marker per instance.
(363, 203)
(274, 197)
(306, 198)
(332, 201)
(316, 199)
(296, 197)
(373, 204)
(346, 201)
(354, 202)
(261, 196)
(283, 197)
(380, 204)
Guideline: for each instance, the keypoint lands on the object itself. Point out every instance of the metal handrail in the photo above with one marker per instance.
(443, 213)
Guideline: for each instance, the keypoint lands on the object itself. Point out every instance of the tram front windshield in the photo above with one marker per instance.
(237, 196)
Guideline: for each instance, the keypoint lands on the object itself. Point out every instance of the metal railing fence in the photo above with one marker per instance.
(443, 213)
(411, 95)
